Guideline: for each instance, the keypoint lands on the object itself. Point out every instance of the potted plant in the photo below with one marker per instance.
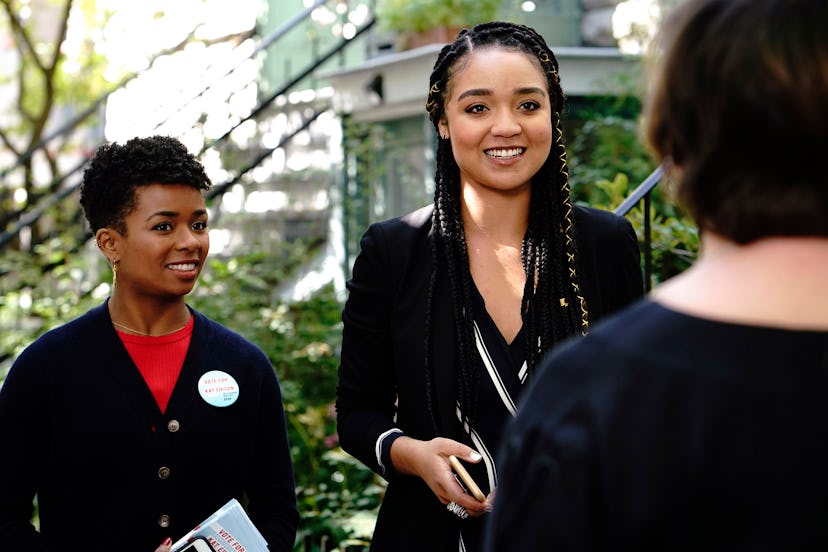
(419, 22)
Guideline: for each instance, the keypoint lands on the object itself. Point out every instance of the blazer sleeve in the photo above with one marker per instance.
(366, 392)
(626, 261)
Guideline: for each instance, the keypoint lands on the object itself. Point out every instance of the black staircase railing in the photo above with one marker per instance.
(644, 192)
(279, 32)
(33, 214)
(289, 85)
(220, 189)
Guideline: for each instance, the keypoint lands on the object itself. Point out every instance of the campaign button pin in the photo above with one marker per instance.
(218, 388)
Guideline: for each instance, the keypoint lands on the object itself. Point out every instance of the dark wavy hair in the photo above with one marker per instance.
(108, 191)
(552, 307)
(739, 105)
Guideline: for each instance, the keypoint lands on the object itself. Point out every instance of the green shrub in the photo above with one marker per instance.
(607, 161)
(412, 16)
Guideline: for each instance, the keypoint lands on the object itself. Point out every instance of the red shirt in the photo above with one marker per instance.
(159, 359)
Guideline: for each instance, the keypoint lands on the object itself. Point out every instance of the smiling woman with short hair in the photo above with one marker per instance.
(134, 422)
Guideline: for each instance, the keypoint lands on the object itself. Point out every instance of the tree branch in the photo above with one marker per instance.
(64, 27)
(20, 31)
(39, 121)
(8, 143)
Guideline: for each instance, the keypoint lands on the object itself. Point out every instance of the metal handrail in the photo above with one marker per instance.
(640, 192)
(222, 188)
(290, 84)
(644, 191)
(30, 217)
(263, 44)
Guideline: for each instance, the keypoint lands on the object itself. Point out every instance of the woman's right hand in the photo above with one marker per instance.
(164, 546)
(430, 461)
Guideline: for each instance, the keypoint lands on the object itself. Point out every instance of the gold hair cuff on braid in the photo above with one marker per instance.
(429, 102)
(546, 60)
(562, 156)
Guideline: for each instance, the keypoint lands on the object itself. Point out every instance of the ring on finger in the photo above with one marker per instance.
(457, 510)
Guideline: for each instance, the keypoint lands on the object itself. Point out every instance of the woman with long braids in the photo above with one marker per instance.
(451, 307)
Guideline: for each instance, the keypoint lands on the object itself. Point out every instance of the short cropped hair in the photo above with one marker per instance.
(109, 182)
(739, 105)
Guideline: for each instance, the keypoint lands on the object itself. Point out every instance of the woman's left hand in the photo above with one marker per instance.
(430, 461)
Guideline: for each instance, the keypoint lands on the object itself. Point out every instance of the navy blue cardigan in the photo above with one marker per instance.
(81, 429)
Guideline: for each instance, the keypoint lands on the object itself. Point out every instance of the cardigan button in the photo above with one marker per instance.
(164, 520)
(163, 472)
(173, 426)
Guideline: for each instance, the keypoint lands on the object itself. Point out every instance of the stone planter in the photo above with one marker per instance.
(437, 35)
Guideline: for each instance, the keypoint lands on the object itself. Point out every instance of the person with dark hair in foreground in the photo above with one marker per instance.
(451, 307)
(134, 422)
(696, 419)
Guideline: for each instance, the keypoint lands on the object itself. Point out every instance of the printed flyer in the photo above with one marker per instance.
(229, 529)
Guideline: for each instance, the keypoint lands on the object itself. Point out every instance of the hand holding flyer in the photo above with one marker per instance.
(229, 529)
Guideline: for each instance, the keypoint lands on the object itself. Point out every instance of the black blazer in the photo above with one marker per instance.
(381, 380)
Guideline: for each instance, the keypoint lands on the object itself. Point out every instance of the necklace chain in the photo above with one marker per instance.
(127, 328)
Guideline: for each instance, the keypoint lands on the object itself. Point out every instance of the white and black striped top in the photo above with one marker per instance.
(501, 382)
